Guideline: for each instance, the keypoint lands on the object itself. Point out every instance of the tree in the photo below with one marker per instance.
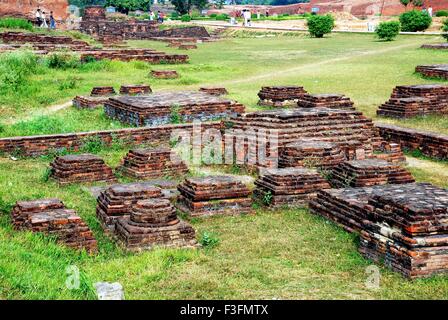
(182, 6)
(200, 4)
(414, 20)
(405, 3)
(388, 30)
(318, 26)
(445, 29)
(124, 6)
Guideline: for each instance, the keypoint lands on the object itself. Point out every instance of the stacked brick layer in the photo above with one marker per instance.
(117, 201)
(289, 186)
(349, 129)
(89, 102)
(147, 55)
(332, 101)
(433, 71)
(152, 163)
(437, 46)
(369, 172)
(216, 91)
(318, 154)
(80, 168)
(429, 143)
(405, 226)
(135, 89)
(215, 195)
(102, 91)
(153, 223)
(50, 217)
(158, 108)
(416, 100)
(164, 74)
(280, 95)
(42, 41)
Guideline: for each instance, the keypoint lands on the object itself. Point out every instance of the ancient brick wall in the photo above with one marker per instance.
(27, 8)
(39, 145)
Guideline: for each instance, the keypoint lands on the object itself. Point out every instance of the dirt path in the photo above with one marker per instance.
(41, 112)
(282, 73)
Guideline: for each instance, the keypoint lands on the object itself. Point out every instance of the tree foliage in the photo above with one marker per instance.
(414, 20)
(445, 29)
(125, 6)
(182, 6)
(318, 25)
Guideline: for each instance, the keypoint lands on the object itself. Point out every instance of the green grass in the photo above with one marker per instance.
(281, 254)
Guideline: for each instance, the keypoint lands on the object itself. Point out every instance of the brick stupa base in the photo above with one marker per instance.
(280, 96)
(215, 91)
(117, 201)
(164, 74)
(215, 195)
(369, 172)
(154, 223)
(288, 186)
(50, 217)
(331, 100)
(81, 168)
(152, 163)
(97, 98)
(433, 71)
(135, 89)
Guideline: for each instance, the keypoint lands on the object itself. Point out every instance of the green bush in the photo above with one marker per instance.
(185, 18)
(174, 15)
(213, 15)
(318, 26)
(62, 61)
(15, 23)
(413, 21)
(442, 13)
(445, 29)
(222, 16)
(388, 30)
(15, 67)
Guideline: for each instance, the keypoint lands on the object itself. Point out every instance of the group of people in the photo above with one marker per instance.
(41, 19)
(160, 16)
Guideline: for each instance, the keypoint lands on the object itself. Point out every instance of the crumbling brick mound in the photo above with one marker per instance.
(330, 100)
(215, 195)
(280, 96)
(433, 71)
(215, 91)
(288, 186)
(352, 131)
(152, 163)
(429, 143)
(135, 89)
(50, 217)
(117, 201)
(187, 46)
(146, 55)
(369, 172)
(158, 108)
(153, 222)
(389, 151)
(164, 74)
(102, 91)
(436, 46)
(81, 168)
(416, 100)
(44, 42)
(313, 153)
(408, 230)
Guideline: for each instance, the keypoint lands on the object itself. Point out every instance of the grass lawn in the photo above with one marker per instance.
(283, 254)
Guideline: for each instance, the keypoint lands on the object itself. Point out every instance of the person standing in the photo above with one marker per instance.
(52, 21)
(38, 17)
(248, 18)
(243, 15)
(44, 20)
(430, 11)
(151, 15)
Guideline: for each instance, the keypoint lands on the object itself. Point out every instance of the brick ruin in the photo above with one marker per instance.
(431, 144)
(135, 89)
(416, 100)
(368, 172)
(51, 217)
(97, 98)
(214, 195)
(151, 223)
(117, 201)
(215, 91)
(313, 153)
(433, 71)
(152, 163)
(80, 168)
(164, 74)
(288, 186)
(158, 108)
(403, 225)
(280, 96)
(436, 46)
(45, 44)
(330, 100)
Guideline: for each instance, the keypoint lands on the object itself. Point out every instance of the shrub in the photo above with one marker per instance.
(414, 20)
(15, 67)
(208, 239)
(445, 29)
(16, 23)
(174, 15)
(222, 16)
(318, 26)
(62, 61)
(442, 13)
(388, 30)
(185, 18)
